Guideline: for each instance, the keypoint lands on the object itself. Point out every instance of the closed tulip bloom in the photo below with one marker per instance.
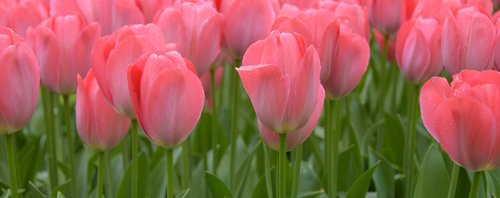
(196, 29)
(496, 55)
(468, 40)
(297, 137)
(281, 76)
(246, 21)
(150, 8)
(464, 117)
(418, 49)
(19, 80)
(112, 56)
(167, 96)
(26, 14)
(97, 123)
(63, 47)
(386, 15)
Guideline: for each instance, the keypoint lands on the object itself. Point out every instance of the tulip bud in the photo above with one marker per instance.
(167, 96)
(63, 46)
(281, 76)
(112, 56)
(98, 124)
(386, 15)
(464, 117)
(19, 80)
(196, 30)
(468, 40)
(418, 49)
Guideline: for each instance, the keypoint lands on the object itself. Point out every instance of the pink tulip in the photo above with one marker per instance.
(302, 4)
(242, 26)
(381, 42)
(150, 8)
(353, 16)
(110, 14)
(418, 49)
(468, 40)
(386, 15)
(195, 28)
(496, 55)
(282, 77)
(97, 123)
(19, 80)
(465, 116)
(167, 96)
(112, 56)
(297, 137)
(26, 14)
(63, 46)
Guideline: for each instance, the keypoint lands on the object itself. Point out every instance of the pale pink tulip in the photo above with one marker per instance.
(112, 56)
(167, 96)
(464, 117)
(63, 46)
(281, 75)
(19, 80)
(26, 14)
(97, 123)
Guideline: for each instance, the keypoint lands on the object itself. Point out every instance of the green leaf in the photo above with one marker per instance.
(384, 176)
(125, 190)
(34, 192)
(350, 167)
(433, 180)
(183, 194)
(260, 189)
(360, 186)
(218, 188)
(393, 139)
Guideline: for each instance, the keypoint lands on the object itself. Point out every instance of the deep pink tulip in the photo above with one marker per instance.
(242, 26)
(418, 49)
(282, 78)
(468, 40)
(196, 29)
(167, 96)
(110, 14)
(63, 47)
(19, 80)
(465, 116)
(112, 56)
(97, 123)
(297, 137)
(386, 15)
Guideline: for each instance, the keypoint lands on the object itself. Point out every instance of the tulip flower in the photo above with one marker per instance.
(496, 55)
(98, 124)
(386, 15)
(112, 56)
(281, 65)
(19, 80)
(242, 26)
(468, 40)
(308, 4)
(297, 137)
(25, 14)
(167, 97)
(150, 8)
(195, 28)
(464, 117)
(63, 46)
(418, 49)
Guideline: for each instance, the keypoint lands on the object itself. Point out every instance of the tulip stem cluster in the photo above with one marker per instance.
(296, 171)
(100, 175)
(454, 178)
(332, 133)
(282, 166)
(48, 104)
(186, 167)
(70, 141)
(234, 112)
(475, 184)
(267, 172)
(411, 139)
(214, 121)
(134, 140)
(170, 173)
(11, 155)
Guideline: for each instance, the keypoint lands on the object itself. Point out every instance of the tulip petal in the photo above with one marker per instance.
(433, 93)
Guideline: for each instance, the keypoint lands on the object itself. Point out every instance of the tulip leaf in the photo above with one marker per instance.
(383, 177)
(183, 194)
(34, 192)
(433, 179)
(217, 187)
(124, 190)
(349, 167)
(361, 185)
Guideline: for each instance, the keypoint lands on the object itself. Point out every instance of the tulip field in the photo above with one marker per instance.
(250, 98)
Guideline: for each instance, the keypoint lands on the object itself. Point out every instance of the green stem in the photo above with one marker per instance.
(234, 106)
(134, 141)
(331, 135)
(186, 167)
(52, 147)
(296, 171)
(71, 146)
(454, 178)
(11, 155)
(170, 173)
(410, 140)
(281, 184)
(267, 172)
(214, 121)
(475, 184)
(100, 175)
(107, 183)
